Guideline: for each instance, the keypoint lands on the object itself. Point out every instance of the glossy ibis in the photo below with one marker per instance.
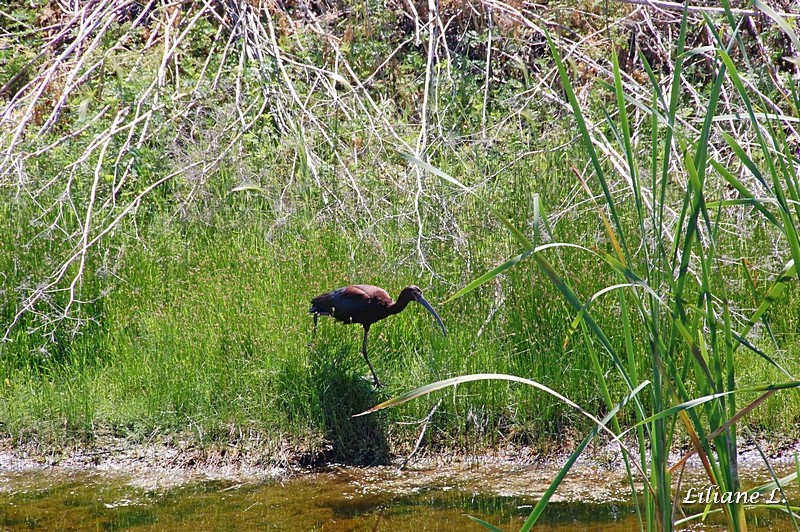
(366, 304)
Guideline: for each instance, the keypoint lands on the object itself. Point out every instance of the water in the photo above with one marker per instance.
(337, 499)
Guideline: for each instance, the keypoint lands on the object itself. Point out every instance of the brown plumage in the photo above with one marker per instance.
(366, 304)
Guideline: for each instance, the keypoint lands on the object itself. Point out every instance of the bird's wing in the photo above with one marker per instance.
(370, 291)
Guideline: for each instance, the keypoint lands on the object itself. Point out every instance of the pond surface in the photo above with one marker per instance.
(339, 498)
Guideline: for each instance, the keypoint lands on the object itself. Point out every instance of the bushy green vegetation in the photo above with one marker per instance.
(188, 315)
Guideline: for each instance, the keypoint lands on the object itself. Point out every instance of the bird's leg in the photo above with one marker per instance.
(376, 382)
(316, 316)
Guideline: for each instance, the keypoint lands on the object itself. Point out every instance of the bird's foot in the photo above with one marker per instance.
(375, 382)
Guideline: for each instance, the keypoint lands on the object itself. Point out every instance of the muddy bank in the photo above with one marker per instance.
(163, 465)
(151, 465)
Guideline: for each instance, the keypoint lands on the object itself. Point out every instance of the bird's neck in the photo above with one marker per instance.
(401, 303)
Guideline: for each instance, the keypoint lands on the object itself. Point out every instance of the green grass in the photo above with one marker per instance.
(207, 332)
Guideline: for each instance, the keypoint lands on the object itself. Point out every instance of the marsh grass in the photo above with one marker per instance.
(206, 332)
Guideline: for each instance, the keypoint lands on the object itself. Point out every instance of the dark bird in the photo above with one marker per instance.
(366, 304)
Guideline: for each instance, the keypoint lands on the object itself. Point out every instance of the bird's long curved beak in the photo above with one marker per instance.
(421, 301)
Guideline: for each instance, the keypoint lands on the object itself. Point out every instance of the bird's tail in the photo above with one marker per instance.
(321, 305)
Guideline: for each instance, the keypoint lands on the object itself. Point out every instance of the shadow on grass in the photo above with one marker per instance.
(341, 392)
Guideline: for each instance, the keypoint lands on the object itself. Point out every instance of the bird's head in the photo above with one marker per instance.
(414, 293)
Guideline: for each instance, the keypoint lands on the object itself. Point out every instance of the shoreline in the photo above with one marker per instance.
(161, 466)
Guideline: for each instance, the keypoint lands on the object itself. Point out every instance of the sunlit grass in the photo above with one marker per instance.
(207, 332)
